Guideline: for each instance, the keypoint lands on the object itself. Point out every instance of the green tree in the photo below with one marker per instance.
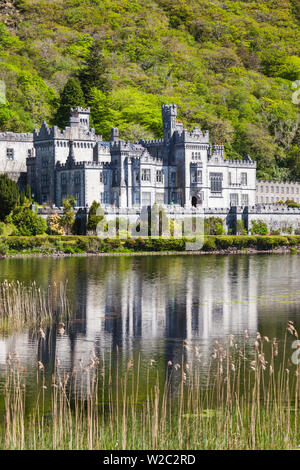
(92, 74)
(259, 228)
(68, 217)
(27, 222)
(9, 196)
(71, 96)
(96, 214)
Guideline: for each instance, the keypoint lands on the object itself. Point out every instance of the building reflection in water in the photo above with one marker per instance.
(150, 305)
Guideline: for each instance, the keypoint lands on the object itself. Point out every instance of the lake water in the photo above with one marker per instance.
(148, 305)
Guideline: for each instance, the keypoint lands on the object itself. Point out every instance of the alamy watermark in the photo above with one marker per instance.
(296, 94)
(154, 224)
(2, 92)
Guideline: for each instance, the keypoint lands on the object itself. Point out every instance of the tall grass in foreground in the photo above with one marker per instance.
(27, 305)
(246, 400)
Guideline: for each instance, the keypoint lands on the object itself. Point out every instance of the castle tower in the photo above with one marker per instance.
(80, 117)
(169, 114)
(114, 134)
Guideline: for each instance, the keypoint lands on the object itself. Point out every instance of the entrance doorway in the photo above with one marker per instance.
(194, 201)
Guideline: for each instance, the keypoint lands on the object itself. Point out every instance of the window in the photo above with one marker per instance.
(63, 178)
(216, 182)
(104, 197)
(77, 197)
(146, 175)
(229, 179)
(101, 176)
(136, 176)
(77, 179)
(245, 200)
(267, 189)
(44, 163)
(173, 196)
(173, 177)
(287, 190)
(137, 199)
(44, 179)
(159, 176)
(244, 179)
(272, 189)
(29, 153)
(146, 199)
(234, 199)
(159, 198)
(10, 154)
(196, 176)
(115, 177)
(297, 190)
(292, 190)
(277, 189)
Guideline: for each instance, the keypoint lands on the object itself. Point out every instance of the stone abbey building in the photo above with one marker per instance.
(183, 172)
(182, 169)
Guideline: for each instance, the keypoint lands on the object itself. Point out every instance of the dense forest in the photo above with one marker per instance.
(230, 66)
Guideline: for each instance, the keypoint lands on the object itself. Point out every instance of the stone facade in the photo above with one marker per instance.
(181, 169)
(14, 150)
(271, 192)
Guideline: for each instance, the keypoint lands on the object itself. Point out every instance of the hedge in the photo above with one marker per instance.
(93, 244)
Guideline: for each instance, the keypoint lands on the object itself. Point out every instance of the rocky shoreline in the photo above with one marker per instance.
(227, 251)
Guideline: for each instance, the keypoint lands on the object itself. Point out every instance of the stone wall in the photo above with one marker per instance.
(285, 219)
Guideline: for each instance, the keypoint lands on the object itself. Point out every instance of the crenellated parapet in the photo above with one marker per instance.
(14, 137)
(122, 146)
(195, 136)
(154, 143)
(216, 210)
(55, 133)
(80, 109)
(273, 209)
(82, 165)
(241, 163)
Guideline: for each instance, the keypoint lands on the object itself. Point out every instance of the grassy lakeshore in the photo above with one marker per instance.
(74, 244)
(249, 399)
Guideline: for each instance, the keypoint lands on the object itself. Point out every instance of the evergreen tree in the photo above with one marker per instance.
(71, 96)
(68, 217)
(92, 74)
(9, 196)
(96, 214)
(28, 193)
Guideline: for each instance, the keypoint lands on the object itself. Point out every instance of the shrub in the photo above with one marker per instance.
(268, 243)
(240, 227)
(259, 228)
(275, 232)
(224, 242)
(55, 225)
(209, 244)
(213, 226)
(3, 248)
(27, 222)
